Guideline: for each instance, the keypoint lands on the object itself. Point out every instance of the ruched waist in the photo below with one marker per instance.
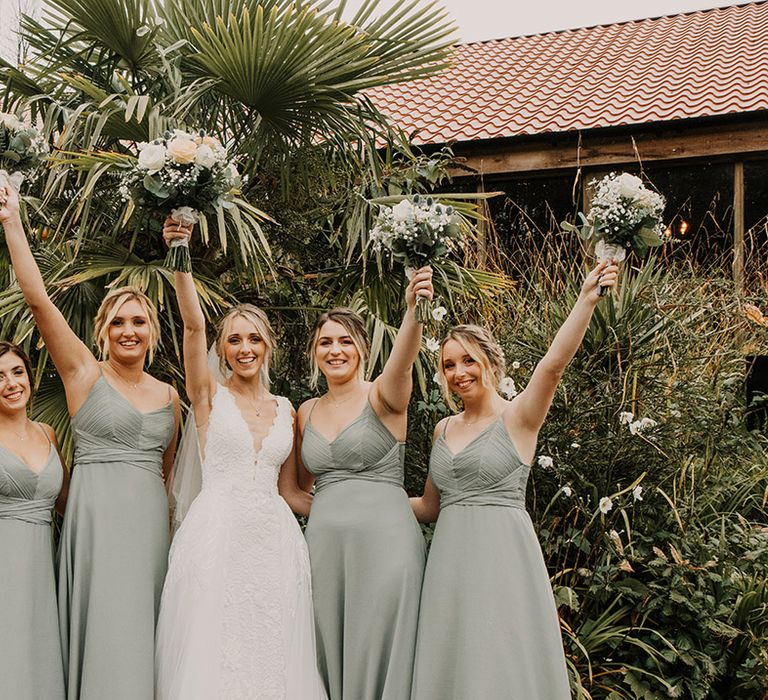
(34, 512)
(148, 461)
(335, 477)
(508, 499)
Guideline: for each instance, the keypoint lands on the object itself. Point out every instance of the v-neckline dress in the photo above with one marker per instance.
(30, 649)
(488, 626)
(114, 547)
(367, 555)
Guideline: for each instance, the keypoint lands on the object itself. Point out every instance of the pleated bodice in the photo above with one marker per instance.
(109, 429)
(365, 449)
(488, 471)
(26, 495)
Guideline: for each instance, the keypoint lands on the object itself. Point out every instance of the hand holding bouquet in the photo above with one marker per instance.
(22, 149)
(624, 215)
(416, 232)
(184, 176)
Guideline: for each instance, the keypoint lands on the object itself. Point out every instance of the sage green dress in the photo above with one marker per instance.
(114, 547)
(30, 651)
(488, 625)
(367, 557)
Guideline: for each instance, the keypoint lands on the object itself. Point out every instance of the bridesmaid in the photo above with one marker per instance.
(114, 542)
(488, 625)
(32, 480)
(365, 547)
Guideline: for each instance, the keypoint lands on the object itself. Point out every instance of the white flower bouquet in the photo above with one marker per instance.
(184, 175)
(22, 149)
(624, 215)
(417, 231)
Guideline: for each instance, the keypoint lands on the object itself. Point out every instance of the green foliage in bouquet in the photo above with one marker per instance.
(22, 148)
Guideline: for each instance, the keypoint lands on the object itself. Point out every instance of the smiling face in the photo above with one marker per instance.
(463, 373)
(15, 385)
(243, 346)
(336, 353)
(129, 333)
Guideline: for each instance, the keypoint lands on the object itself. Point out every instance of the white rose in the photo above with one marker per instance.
(436, 377)
(182, 150)
(402, 211)
(152, 157)
(205, 157)
(433, 345)
(629, 186)
(545, 462)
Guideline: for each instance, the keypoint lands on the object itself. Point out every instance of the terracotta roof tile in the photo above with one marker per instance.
(699, 64)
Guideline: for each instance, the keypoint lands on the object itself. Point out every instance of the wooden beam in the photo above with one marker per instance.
(738, 226)
(596, 149)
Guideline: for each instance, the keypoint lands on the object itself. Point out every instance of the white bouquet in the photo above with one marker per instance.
(624, 215)
(22, 149)
(416, 232)
(184, 175)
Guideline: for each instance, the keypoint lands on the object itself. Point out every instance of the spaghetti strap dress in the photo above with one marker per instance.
(30, 651)
(114, 547)
(488, 626)
(366, 553)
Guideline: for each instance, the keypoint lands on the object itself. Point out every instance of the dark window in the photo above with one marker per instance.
(756, 219)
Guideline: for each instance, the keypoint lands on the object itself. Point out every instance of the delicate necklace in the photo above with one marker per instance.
(133, 385)
(352, 395)
(253, 404)
(21, 437)
(478, 420)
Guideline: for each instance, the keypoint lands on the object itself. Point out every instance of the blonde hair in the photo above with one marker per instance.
(482, 347)
(109, 308)
(354, 325)
(252, 314)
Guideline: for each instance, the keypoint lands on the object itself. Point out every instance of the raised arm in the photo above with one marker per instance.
(532, 404)
(198, 379)
(392, 388)
(75, 363)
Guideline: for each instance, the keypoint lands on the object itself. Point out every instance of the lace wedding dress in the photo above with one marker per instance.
(236, 612)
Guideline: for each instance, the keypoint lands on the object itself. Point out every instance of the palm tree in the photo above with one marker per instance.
(283, 83)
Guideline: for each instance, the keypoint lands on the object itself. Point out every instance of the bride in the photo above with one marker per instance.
(236, 614)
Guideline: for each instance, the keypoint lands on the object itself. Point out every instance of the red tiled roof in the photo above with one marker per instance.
(700, 64)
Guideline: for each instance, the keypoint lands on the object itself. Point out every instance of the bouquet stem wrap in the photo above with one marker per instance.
(178, 257)
(423, 310)
(612, 252)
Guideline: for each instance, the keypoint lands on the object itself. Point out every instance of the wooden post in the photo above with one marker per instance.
(482, 228)
(738, 226)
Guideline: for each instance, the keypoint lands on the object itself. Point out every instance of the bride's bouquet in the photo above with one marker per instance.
(416, 232)
(22, 149)
(625, 215)
(184, 175)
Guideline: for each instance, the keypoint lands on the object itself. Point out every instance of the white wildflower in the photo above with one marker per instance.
(646, 423)
(507, 387)
(439, 312)
(436, 377)
(637, 493)
(433, 345)
(626, 417)
(605, 505)
(575, 445)
(675, 414)
(567, 491)
(515, 365)
(545, 462)
(635, 427)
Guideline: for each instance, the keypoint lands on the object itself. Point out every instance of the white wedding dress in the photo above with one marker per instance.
(235, 618)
